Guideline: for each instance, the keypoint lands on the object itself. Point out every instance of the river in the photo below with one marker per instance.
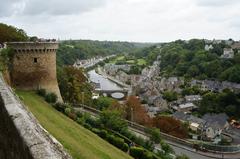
(105, 84)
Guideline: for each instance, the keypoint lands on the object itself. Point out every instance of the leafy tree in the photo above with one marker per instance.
(112, 120)
(74, 86)
(155, 135)
(226, 101)
(193, 71)
(170, 96)
(103, 103)
(170, 126)
(136, 112)
(10, 33)
(51, 97)
(166, 147)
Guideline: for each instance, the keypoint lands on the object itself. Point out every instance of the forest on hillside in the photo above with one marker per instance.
(71, 50)
(191, 60)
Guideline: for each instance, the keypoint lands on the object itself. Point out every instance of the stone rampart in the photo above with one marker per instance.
(21, 136)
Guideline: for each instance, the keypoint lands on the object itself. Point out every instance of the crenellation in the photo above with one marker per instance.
(34, 66)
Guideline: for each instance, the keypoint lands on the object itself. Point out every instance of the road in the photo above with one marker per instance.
(178, 148)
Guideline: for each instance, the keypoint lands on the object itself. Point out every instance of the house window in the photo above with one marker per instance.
(35, 60)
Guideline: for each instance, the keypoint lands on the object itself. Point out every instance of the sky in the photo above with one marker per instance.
(125, 20)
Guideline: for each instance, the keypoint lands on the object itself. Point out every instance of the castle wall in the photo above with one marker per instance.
(21, 136)
(34, 66)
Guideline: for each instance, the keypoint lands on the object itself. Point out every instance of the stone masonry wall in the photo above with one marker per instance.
(21, 136)
(34, 66)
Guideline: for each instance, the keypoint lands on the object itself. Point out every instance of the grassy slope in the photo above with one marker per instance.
(80, 142)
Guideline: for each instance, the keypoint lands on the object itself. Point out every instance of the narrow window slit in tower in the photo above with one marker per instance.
(35, 60)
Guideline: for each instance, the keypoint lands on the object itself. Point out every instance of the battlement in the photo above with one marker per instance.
(34, 66)
(33, 47)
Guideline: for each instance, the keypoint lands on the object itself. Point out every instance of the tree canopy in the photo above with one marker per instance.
(10, 33)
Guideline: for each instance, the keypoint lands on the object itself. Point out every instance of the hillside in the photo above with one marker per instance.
(80, 142)
(71, 50)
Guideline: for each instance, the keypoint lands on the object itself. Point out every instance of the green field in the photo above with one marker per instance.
(119, 58)
(78, 141)
(130, 61)
(141, 62)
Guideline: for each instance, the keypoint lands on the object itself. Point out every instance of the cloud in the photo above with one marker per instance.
(131, 20)
(47, 7)
(216, 3)
(10, 7)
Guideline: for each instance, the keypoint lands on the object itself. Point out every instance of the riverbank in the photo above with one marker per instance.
(101, 72)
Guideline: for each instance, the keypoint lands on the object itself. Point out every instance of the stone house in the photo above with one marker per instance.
(228, 53)
(158, 101)
(112, 69)
(187, 107)
(196, 124)
(135, 79)
(236, 46)
(122, 76)
(171, 83)
(193, 98)
(215, 124)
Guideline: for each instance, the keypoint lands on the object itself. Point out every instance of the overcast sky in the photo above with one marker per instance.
(125, 20)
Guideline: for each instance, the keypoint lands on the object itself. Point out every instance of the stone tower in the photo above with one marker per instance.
(34, 66)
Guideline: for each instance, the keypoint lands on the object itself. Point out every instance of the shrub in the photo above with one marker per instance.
(96, 131)
(103, 134)
(79, 114)
(72, 115)
(136, 152)
(116, 141)
(80, 121)
(67, 111)
(125, 147)
(87, 126)
(167, 148)
(41, 92)
(60, 106)
(140, 153)
(51, 97)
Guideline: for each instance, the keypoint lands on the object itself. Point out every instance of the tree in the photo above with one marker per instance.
(193, 71)
(167, 148)
(74, 86)
(111, 119)
(155, 135)
(10, 33)
(103, 103)
(170, 126)
(170, 96)
(136, 112)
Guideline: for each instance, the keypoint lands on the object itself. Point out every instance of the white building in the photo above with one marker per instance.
(186, 107)
(193, 98)
(208, 47)
(228, 53)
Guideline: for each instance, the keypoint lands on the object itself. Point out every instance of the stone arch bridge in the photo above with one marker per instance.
(110, 92)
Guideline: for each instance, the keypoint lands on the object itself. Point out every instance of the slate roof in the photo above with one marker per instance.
(216, 121)
(188, 118)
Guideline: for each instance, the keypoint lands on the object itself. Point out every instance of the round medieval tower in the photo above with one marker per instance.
(34, 66)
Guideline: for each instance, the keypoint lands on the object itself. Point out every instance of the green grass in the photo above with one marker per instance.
(130, 61)
(119, 58)
(141, 62)
(78, 141)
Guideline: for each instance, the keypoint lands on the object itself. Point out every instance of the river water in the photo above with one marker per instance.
(105, 84)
